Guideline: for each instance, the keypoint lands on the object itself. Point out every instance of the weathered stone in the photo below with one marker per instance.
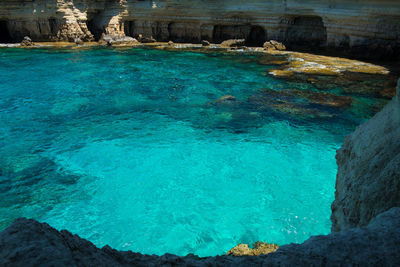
(205, 43)
(306, 104)
(119, 40)
(368, 178)
(274, 45)
(27, 41)
(233, 43)
(78, 41)
(259, 248)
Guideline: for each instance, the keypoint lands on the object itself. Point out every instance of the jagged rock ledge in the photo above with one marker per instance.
(30, 243)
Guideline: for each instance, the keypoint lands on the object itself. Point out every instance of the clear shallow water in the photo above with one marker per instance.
(128, 148)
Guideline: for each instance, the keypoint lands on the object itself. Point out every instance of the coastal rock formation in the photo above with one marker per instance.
(259, 248)
(30, 243)
(368, 179)
(368, 28)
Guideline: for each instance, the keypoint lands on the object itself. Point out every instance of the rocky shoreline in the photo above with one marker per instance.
(367, 29)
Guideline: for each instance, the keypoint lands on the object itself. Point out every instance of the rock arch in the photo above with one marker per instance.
(94, 24)
(256, 37)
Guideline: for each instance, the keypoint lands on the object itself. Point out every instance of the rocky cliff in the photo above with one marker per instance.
(364, 28)
(368, 178)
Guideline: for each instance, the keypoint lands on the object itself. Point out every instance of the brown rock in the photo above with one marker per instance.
(274, 45)
(233, 43)
(259, 248)
(27, 41)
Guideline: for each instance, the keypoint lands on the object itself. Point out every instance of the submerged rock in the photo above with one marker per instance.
(226, 100)
(309, 104)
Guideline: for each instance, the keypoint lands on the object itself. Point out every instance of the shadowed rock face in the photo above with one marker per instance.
(368, 179)
(30, 243)
(368, 28)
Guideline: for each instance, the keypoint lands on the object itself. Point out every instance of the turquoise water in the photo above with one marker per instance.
(129, 148)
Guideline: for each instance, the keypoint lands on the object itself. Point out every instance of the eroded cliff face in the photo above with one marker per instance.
(368, 179)
(365, 28)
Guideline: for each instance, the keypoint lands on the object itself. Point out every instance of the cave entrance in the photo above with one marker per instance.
(129, 28)
(256, 37)
(306, 31)
(53, 27)
(225, 32)
(5, 36)
(94, 25)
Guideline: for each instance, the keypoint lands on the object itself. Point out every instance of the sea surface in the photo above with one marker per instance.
(131, 148)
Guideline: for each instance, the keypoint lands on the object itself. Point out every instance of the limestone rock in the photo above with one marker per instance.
(233, 43)
(367, 28)
(368, 178)
(259, 248)
(119, 40)
(274, 45)
(205, 43)
(78, 41)
(27, 41)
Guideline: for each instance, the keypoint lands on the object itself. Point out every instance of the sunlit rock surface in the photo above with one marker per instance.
(368, 28)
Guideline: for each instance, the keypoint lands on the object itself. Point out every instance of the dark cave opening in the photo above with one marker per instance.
(53, 27)
(257, 36)
(225, 32)
(5, 36)
(306, 31)
(129, 28)
(94, 25)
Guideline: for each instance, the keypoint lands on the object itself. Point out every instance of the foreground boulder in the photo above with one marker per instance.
(368, 179)
(30, 243)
